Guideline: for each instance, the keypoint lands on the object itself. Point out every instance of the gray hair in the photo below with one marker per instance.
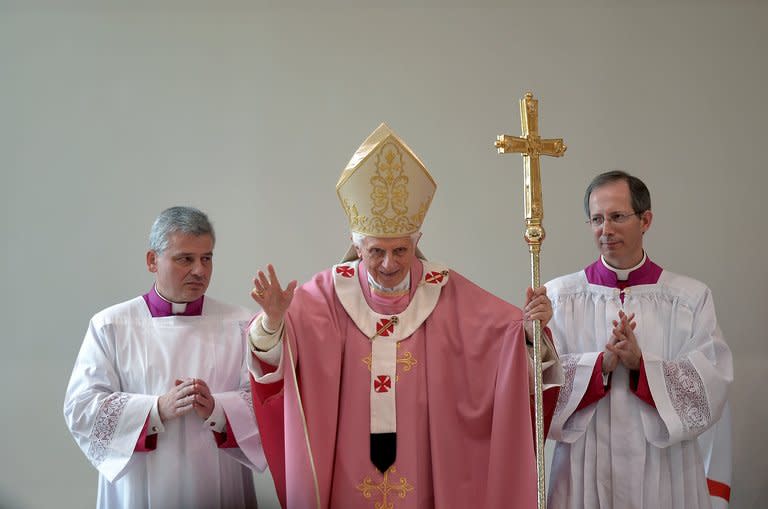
(357, 238)
(641, 197)
(187, 220)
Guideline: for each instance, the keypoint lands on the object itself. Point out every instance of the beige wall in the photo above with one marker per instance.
(108, 115)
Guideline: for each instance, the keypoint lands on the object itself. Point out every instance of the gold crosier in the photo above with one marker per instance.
(531, 146)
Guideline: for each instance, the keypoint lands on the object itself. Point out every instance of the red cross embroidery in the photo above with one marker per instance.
(345, 271)
(382, 383)
(385, 327)
(434, 277)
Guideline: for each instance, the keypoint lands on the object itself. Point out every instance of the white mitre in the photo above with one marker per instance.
(385, 190)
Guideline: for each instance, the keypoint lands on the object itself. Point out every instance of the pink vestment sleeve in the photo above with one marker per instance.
(265, 391)
(146, 443)
(595, 390)
(638, 384)
(268, 409)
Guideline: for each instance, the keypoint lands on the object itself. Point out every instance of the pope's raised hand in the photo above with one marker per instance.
(273, 299)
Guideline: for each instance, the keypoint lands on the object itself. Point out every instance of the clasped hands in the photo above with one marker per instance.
(187, 395)
(623, 345)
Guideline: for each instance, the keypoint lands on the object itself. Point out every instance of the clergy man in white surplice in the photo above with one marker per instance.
(642, 420)
(159, 399)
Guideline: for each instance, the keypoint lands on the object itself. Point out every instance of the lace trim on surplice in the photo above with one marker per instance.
(569, 362)
(687, 394)
(105, 426)
(246, 395)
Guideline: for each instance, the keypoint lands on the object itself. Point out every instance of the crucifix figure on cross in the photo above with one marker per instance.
(532, 147)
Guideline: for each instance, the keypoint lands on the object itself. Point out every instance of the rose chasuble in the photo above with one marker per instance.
(442, 374)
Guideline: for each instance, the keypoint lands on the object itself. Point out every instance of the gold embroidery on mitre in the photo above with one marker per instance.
(389, 198)
(390, 192)
(390, 182)
(385, 189)
(401, 489)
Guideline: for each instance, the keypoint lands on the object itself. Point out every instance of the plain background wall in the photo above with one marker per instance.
(110, 113)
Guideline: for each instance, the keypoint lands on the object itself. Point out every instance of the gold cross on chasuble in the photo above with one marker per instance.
(384, 488)
(407, 361)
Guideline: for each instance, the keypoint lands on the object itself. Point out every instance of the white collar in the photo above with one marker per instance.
(177, 308)
(623, 274)
(399, 288)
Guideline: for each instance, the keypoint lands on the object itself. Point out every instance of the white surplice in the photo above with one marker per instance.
(127, 360)
(622, 452)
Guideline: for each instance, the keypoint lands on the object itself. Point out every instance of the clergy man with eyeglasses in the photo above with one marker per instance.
(642, 420)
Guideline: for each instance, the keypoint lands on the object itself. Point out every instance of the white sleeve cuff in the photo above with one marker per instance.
(155, 423)
(261, 339)
(272, 356)
(217, 421)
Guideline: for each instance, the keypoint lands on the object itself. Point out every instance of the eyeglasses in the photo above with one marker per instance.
(616, 218)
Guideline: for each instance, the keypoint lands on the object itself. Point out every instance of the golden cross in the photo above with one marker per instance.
(401, 489)
(532, 147)
(407, 360)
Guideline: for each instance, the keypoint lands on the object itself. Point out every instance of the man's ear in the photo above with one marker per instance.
(646, 219)
(151, 261)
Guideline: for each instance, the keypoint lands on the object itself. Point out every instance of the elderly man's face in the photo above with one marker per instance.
(388, 260)
(621, 244)
(183, 270)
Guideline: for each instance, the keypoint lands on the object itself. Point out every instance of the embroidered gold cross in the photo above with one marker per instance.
(401, 489)
(407, 360)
